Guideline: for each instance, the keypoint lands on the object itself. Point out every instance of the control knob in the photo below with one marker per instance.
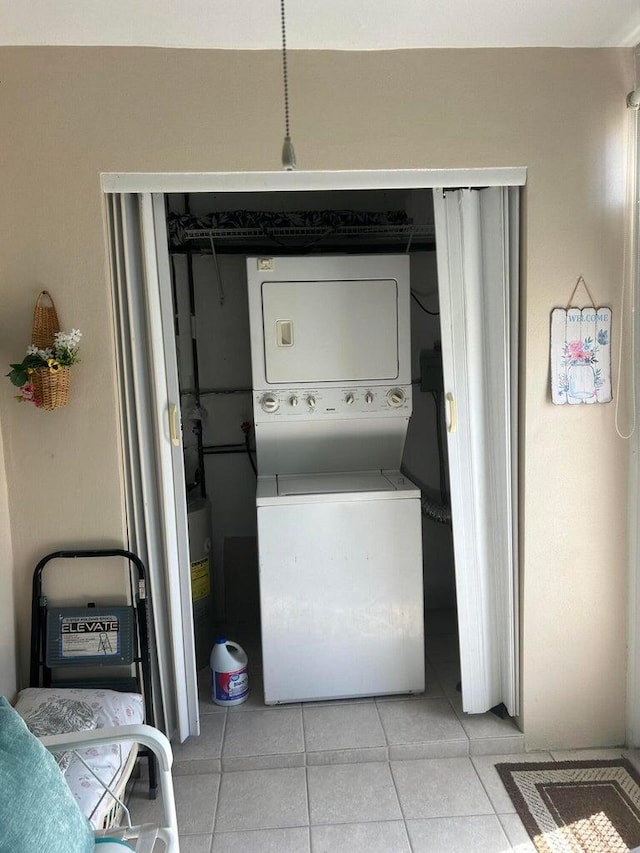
(293, 400)
(311, 401)
(395, 397)
(349, 399)
(368, 398)
(269, 403)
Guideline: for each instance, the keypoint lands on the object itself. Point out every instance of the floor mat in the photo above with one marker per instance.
(576, 806)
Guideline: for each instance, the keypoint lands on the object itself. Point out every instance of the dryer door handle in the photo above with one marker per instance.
(284, 333)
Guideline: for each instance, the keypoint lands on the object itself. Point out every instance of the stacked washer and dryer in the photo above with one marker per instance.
(339, 526)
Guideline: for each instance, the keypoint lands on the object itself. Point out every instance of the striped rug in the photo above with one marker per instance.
(577, 806)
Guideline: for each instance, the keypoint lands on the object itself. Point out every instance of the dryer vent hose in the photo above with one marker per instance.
(431, 507)
(435, 510)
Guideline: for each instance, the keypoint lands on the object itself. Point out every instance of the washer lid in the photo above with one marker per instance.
(327, 484)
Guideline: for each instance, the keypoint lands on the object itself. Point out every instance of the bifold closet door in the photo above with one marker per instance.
(152, 444)
(477, 253)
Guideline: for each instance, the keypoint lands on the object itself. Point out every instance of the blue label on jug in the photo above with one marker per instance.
(229, 686)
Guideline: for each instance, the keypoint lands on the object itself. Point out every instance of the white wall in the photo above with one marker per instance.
(8, 644)
(71, 113)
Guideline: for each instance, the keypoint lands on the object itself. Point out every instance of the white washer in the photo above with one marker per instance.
(340, 585)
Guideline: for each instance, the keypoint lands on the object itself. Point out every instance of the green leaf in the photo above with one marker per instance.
(18, 376)
(33, 361)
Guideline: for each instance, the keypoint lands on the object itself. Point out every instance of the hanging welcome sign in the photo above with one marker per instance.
(580, 353)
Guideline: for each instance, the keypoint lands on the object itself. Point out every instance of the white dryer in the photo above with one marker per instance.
(331, 361)
(339, 528)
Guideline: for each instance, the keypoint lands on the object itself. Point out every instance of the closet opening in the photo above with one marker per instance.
(217, 335)
(210, 238)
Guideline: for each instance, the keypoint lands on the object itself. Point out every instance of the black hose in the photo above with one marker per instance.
(246, 429)
(250, 455)
(436, 510)
(431, 507)
(444, 494)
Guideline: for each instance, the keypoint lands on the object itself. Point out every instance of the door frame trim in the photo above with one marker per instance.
(193, 182)
(238, 182)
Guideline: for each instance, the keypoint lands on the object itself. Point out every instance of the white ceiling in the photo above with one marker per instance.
(322, 24)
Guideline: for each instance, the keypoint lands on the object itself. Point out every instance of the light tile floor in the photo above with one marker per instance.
(386, 775)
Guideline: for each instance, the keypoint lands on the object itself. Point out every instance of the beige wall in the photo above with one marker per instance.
(69, 114)
(8, 645)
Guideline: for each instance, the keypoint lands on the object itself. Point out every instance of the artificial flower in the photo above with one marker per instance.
(44, 354)
(63, 353)
(28, 395)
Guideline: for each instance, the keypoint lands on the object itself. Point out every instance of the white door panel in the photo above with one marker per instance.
(477, 274)
(156, 501)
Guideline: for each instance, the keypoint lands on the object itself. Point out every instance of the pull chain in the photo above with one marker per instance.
(288, 153)
(285, 75)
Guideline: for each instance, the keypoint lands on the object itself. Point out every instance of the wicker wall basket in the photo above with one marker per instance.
(45, 321)
(51, 388)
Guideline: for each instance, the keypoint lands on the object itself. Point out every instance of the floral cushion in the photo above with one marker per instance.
(59, 716)
(110, 708)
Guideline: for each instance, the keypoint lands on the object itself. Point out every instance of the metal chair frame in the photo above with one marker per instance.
(152, 739)
(41, 674)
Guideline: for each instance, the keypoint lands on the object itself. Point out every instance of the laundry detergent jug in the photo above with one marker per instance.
(229, 679)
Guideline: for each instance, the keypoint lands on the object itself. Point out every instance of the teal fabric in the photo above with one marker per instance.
(38, 813)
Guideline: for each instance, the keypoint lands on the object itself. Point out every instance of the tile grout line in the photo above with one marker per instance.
(404, 818)
(512, 849)
(495, 813)
(384, 733)
(217, 811)
(308, 801)
(306, 778)
(484, 787)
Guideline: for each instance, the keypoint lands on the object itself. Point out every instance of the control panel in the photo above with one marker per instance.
(333, 402)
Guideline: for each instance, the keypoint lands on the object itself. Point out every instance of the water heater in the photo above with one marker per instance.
(199, 520)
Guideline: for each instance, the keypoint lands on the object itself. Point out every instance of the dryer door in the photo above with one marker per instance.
(330, 331)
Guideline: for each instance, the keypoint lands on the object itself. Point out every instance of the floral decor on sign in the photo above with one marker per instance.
(582, 353)
(63, 353)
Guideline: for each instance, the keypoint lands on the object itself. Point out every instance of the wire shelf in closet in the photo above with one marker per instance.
(247, 231)
(297, 238)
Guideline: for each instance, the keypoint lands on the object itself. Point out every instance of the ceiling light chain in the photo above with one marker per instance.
(288, 153)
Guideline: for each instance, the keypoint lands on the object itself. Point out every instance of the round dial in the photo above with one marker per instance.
(311, 401)
(269, 403)
(368, 398)
(293, 400)
(395, 397)
(349, 399)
